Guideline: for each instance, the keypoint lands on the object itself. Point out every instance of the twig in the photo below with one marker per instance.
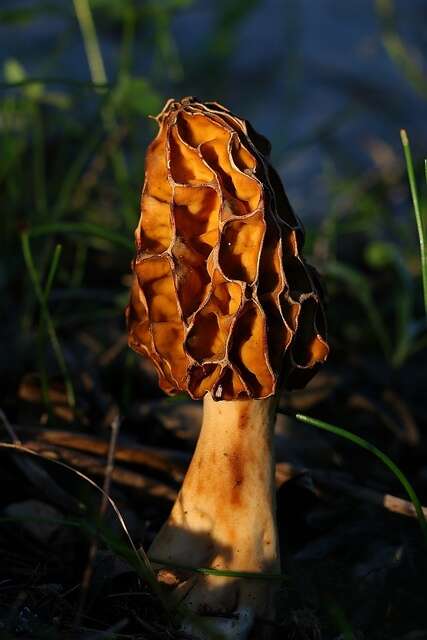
(143, 565)
(362, 402)
(93, 550)
(91, 176)
(147, 626)
(57, 443)
(411, 431)
(158, 489)
(111, 631)
(368, 446)
(96, 467)
(386, 500)
(17, 605)
(115, 427)
(9, 428)
(327, 480)
(170, 462)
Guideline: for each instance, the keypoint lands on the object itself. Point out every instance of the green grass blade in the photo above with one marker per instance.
(360, 288)
(68, 82)
(364, 444)
(41, 333)
(90, 41)
(99, 76)
(39, 163)
(52, 271)
(421, 224)
(74, 173)
(396, 48)
(339, 618)
(86, 228)
(47, 319)
(228, 573)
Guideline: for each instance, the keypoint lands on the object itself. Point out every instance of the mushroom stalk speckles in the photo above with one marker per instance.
(224, 516)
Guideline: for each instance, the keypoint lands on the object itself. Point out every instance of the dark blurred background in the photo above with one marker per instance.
(330, 83)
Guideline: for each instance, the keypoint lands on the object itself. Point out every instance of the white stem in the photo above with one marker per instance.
(224, 516)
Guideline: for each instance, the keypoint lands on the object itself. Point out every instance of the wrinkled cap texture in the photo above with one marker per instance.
(222, 300)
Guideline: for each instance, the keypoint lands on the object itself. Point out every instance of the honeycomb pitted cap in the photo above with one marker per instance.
(222, 300)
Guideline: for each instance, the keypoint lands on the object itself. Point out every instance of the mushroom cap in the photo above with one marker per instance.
(222, 300)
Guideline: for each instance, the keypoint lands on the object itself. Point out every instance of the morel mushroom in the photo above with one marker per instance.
(224, 305)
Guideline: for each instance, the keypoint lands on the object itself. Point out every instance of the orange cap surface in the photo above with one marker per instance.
(222, 300)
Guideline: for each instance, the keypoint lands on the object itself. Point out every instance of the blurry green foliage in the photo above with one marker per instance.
(24, 15)
(135, 97)
(73, 162)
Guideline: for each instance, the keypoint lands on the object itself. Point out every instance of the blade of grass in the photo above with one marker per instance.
(340, 619)
(364, 444)
(403, 296)
(127, 41)
(421, 224)
(360, 288)
(46, 317)
(39, 176)
(86, 228)
(93, 549)
(228, 573)
(74, 173)
(41, 333)
(52, 271)
(396, 48)
(78, 84)
(90, 41)
(98, 75)
(80, 260)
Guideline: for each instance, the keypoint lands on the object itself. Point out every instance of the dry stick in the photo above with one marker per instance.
(115, 427)
(94, 466)
(91, 177)
(401, 407)
(165, 460)
(359, 401)
(148, 627)
(14, 610)
(36, 474)
(386, 500)
(158, 489)
(286, 472)
(93, 550)
(140, 556)
(111, 631)
(9, 428)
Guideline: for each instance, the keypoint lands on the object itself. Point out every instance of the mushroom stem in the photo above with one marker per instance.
(224, 516)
